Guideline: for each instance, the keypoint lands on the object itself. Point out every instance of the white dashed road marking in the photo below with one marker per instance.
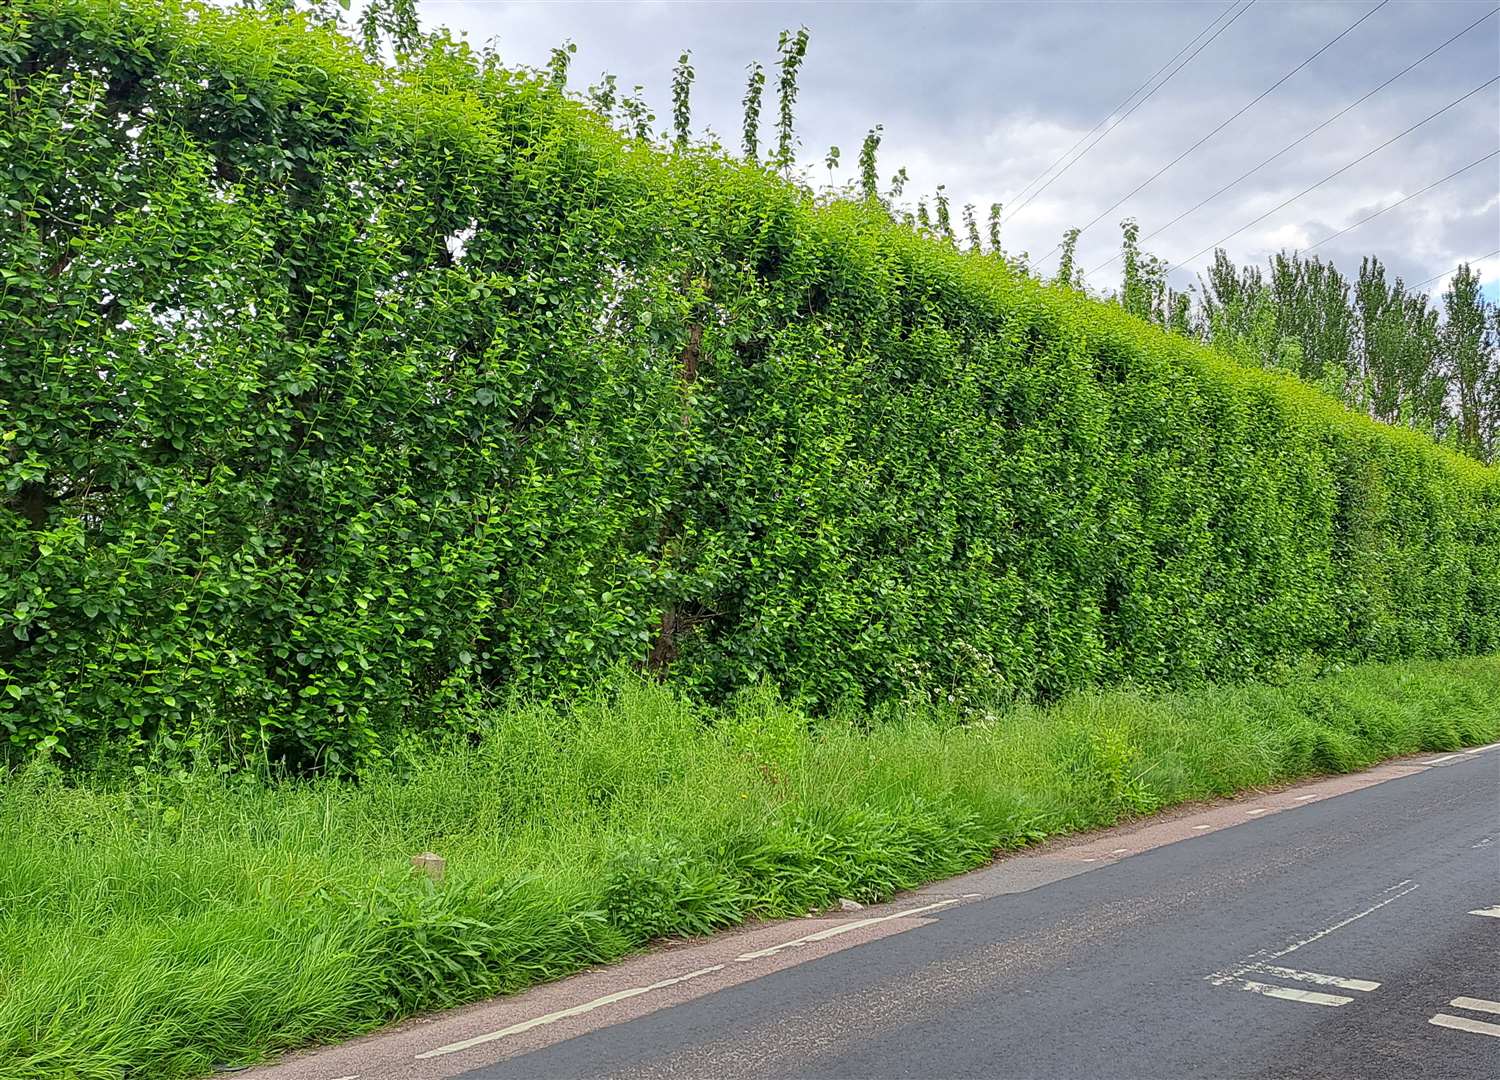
(1492, 912)
(1287, 993)
(1259, 963)
(1463, 1023)
(844, 928)
(1476, 1004)
(1258, 810)
(1365, 985)
(636, 991)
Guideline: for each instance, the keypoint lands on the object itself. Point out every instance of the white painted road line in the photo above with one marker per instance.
(1258, 810)
(563, 1014)
(1365, 985)
(1286, 993)
(1438, 760)
(844, 928)
(1405, 887)
(1304, 798)
(1463, 1023)
(1492, 912)
(1260, 961)
(1482, 749)
(1200, 828)
(1476, 1005)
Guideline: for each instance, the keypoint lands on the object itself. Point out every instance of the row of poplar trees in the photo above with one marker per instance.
(1373, 342)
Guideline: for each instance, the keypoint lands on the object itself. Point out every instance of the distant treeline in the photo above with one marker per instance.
(1373, 343)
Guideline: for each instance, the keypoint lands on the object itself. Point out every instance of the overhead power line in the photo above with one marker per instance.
(1132, 109)
(1230, 119)
(1398, 202)
(1336, 173)
(1445, 273)
(1304, 137)
(1128, 98)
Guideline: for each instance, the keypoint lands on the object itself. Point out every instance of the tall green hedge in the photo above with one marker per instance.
(334, 399)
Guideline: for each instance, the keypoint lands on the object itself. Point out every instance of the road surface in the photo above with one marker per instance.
(1348, 928)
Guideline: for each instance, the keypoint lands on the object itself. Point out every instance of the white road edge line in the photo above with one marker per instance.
(1476, 1004)
(1438, 760)
(1463, 1023)
(563, 1014)
(1258, 810)
(1306, 997)
(1482, 749)
(610, 999)
(1365, 985)
(844, 928)
(1304, 798)
(1492, 912)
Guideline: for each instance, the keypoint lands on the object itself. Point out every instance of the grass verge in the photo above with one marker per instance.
(186, 920)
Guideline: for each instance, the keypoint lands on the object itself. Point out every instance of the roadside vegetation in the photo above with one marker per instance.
(171, 921)
(399, 453)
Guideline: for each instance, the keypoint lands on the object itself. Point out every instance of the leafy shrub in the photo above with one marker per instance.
(334, 400)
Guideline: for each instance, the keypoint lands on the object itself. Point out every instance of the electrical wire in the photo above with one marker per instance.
(1398, 202)
(1231, 119)
(1303, 138)
(1336, 173)
(1132, 109)
(1445, 273)
(1128, 97)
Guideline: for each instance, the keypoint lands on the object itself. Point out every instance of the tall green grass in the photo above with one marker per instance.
(171, 921)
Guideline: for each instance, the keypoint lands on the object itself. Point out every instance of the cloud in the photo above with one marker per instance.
(983, 97)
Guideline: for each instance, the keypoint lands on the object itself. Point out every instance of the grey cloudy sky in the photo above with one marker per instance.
(983, 96)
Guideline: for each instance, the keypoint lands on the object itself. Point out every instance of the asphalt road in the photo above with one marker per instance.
(1348, 928)
(1320, 943)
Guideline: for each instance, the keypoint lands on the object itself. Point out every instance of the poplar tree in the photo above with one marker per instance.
(1469, 357)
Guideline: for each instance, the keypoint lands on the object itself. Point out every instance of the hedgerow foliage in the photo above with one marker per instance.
(335, 398)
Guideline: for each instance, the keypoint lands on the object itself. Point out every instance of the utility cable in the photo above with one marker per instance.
(1225, 123)
(1302, 139)
(1445, 273)
(1398, 202)
(1128, 98)
(1337, 172)
(1132, 109)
